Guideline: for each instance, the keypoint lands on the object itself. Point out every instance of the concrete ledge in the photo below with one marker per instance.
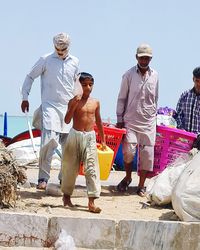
(30, 230)
(88, 233)
(159, 235)
(23, 230)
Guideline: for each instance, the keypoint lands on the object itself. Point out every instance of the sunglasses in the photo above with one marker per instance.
(61, 49)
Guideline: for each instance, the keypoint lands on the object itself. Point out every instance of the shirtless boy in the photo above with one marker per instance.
(81, 144)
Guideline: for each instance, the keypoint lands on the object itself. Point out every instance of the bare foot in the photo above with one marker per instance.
(42, 185)
(94, 209)
(67, 201)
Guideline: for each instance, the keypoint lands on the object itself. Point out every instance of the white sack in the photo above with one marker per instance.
(166, 120)
(24, 154)
(186, 193)
(159, 188)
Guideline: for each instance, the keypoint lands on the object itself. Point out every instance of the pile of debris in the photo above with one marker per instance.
(11, 174)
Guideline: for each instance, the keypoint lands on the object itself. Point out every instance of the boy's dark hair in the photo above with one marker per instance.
(196, 72)
(84, 75)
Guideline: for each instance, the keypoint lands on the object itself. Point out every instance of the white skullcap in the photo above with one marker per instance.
(61, 40)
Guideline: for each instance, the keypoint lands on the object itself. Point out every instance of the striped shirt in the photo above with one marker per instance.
(187, 113)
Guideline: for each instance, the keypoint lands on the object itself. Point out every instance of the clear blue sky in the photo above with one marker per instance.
(105, 35)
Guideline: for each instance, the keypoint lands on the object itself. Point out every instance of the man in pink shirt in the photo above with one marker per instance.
(136, 111)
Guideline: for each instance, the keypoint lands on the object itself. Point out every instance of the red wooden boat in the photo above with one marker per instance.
(22, 136)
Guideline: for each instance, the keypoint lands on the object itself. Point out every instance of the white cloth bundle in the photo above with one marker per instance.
(186, 193)
(159, 188)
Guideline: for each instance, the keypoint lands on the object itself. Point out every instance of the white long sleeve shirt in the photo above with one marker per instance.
(137, 102)
(57, 84)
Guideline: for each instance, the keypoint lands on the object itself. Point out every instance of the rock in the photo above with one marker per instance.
(53, 189)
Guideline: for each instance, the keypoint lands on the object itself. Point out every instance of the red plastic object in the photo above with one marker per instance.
(113, 137)
(170, 143)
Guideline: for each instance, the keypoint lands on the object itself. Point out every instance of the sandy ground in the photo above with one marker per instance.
(114, 205)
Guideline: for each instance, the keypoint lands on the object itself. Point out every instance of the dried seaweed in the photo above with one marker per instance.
(10, 176)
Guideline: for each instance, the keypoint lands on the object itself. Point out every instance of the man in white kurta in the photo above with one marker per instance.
(58, 71)
(136, 111)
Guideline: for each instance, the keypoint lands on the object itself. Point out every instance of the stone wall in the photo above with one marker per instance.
(39, 231)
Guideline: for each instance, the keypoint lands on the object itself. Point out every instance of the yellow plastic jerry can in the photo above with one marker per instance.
(105, 160)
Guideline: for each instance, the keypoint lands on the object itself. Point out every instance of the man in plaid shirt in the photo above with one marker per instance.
(187, 113)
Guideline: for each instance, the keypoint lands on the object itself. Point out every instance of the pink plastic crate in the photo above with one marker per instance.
(170, 143)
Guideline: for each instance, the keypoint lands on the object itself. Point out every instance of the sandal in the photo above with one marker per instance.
(42, 185)
(141, 192)
(123, 185)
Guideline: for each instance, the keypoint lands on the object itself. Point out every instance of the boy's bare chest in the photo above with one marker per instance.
(88, 107)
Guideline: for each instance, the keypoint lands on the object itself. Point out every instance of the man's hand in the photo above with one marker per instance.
(25, 106)
(120, 125)
(76, 99)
